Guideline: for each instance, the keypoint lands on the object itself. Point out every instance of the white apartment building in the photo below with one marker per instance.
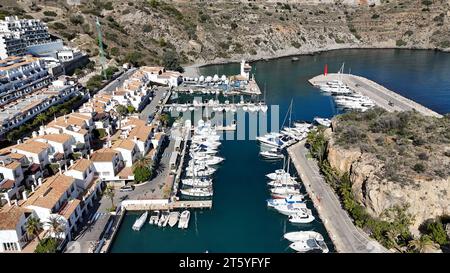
(109, 164)
(23, 109)
(159, 75)
(36, 152)
(11, 178)
(19, 34)
(20, 76)
(128, 149)
(13, 235)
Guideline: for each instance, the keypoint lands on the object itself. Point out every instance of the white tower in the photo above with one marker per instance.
(245, 69)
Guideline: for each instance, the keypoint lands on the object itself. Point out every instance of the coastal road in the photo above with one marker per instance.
(160, 93)
(345, 235)
(119, 81)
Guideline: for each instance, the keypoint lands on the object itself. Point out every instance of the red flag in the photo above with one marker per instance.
(325, 71)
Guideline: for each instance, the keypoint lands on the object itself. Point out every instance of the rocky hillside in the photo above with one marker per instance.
(213, 31)
(395, 159)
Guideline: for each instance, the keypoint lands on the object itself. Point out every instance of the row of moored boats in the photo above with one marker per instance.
(164, 218)
(345, 97)
(216, 106)
(288, 200)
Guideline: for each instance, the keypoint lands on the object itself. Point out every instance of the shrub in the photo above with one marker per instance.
(147, 28)
(47, 245)
(50, 13)
(76, 19)
(375, 16)
(409, 33)
(400, 42)
(423, 156)
(437, 232)
(233, 25)
(142, 174)
(59, 25)
(419, 168)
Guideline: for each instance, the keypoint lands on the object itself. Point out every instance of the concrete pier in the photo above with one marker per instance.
(186, 204)
(380, 95)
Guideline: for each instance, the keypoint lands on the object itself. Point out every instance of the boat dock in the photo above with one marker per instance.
(205, 104)
(184, 204)
(346, 237)
(381, 96)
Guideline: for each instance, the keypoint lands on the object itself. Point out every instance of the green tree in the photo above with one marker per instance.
(121, 110)
(171, 61)
(33, 227)
(110, 193)
(437, 232)
(131, 109)
(56, 225)
(141, 174)
(47, 245)
(420, 244)
(94, 83)
(41, 118)
(164, 118)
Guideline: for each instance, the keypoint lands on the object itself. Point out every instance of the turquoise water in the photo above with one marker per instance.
(239, 220)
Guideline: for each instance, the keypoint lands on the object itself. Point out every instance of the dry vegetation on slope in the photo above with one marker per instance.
(213, 31)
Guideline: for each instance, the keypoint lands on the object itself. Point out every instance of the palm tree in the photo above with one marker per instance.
(56, 225)
(41, 118)
(143, 162)
(109, 192)
(420, 244)
(33, 227)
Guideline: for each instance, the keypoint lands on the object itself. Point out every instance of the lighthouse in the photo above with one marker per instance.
(245, 70)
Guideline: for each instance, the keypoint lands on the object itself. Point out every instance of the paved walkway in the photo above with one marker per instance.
(344, 234)
(161, 94)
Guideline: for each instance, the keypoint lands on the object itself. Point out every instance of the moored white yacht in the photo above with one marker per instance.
(291, 199)
(198, 192)
(303, 217)
(290, 208)
(197, 182)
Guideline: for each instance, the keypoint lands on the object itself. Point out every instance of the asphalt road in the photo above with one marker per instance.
(119, 81)
(345, 235)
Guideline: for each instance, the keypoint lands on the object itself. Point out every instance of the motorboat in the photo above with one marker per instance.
(154, 218)
(323, 121)
(197, 182)
(305, 241)
(282, 183)
(198, 192)
(173, 218)
(271, 155)
(200, 173)
(140, 221)
(163, 218)
(303, 217)
(290, 208)
(209, 161)
(279, 192)
(291, 199)
(264, 108)
(184, 219)
(270, 140)
(275, 174)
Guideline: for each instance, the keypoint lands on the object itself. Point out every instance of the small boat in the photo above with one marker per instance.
(154, 218)
(303, 217)
(200, 172)
(302, 235)
(166, 220)
(305, 241)
(198, 192)
(276, 174)
(291, 199)
(282, 183)
(173, 218)
(140, 221)
(290, 208)
(184, 219)
(279, 192)
(294, 59)
(323, 121)
(264, 108)
(271, 155)
(197, 182)
(163, 218)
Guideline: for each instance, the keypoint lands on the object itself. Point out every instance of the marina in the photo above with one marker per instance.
(240, 216)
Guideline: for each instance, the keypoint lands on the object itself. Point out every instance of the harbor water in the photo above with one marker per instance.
(240, 220)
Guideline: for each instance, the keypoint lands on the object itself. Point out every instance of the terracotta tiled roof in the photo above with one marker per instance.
(59, 138)
(81, 165)
(104, 155)
(50, 192)
(69, 208)
(124, 144)
(9, 217)
(8, 184)
(32, 146)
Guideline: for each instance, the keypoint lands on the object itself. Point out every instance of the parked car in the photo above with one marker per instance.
(126, 188)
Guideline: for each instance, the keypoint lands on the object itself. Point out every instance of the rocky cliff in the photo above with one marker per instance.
(216, 31)
(395, 159)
